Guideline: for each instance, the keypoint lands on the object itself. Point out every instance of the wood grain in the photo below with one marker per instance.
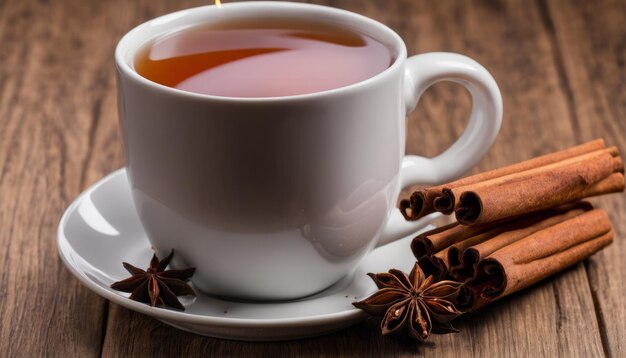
(591, 41)
(45, 114)
(559, 64)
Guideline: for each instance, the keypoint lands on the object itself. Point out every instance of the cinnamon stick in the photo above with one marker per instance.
(421, 202)
(433, 241)
(537, 256)
(452, 251)
(426, 245)
(448, 203)
(543, 189)
(614, 183)
(463, 258)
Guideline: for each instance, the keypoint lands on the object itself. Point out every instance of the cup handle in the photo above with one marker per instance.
(422, 71)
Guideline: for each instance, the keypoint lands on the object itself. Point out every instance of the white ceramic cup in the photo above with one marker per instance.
(278, 198)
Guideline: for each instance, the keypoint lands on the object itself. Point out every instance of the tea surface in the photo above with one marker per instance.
(271, 59)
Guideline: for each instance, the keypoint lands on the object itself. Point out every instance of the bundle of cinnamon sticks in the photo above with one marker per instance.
(519, 224)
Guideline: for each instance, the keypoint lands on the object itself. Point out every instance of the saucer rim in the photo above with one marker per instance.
(176, 316)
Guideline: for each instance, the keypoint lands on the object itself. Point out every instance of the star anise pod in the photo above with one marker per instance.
(413, 304)
(156, 285)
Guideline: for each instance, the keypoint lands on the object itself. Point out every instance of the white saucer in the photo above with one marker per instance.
(100, 229)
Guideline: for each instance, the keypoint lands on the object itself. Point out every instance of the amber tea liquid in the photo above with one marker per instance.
(262, 58)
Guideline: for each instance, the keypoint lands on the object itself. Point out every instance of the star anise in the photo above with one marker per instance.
(413, 304)
(156, 285)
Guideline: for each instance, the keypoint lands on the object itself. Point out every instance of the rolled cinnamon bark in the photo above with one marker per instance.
(436, 262)
(426, 245)
(445, 254)
(431, 242)
(419, 204)
(448, 202)
(537, 256)
(614, 183)
(530, 193)
(451, 251)
(433, 266)
(422, 202)
(463, 258)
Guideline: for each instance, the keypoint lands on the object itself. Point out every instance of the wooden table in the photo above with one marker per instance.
(561, 67)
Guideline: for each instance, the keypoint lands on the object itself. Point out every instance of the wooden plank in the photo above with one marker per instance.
(50, 72)
(591, 38)
(58, 133)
